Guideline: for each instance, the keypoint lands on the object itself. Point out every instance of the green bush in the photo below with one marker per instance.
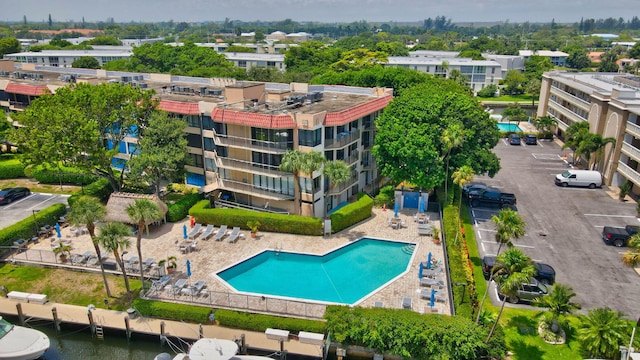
(260, 322)
(63, 175)
(10, 167)
(352, 214)
(166, 310)
(26, 228)
(290, 224)
(100, 189)
(385, 196)
(180, 209)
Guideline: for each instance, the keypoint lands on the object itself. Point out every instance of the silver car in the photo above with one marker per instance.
(528, 292)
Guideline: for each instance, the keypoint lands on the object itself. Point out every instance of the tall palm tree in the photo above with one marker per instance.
(509, 225)
(460, 177)
(559, 303)
(86, 211)
(574, 134)
(601, 332)
(452, 137)
(632, 257)
(292, 161)
(114, 237)
(593, 143)
(514, 269)
(141, 213)
(545, 124)
(338, 172)
(312, 162)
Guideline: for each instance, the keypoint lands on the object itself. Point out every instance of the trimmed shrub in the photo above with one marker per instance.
(352, 214)
(180, 209)
(291, 224)
(27, 228)
(166, 310)
(63, 175)
(260, 322)
(100, 189)
(10, 167)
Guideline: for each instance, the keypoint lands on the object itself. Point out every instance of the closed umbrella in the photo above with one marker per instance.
(395, 209)
(421, 206)
(420, 272)
(58, 231)
(184, 231)
(429, 260)
(188, 268)
(432, 299)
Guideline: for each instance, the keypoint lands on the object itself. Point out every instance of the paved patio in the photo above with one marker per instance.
(213, 256)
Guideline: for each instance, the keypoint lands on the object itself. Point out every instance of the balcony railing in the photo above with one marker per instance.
(631, 151)
(342, 140)
(339, 189)
(633, 129)
(250, 167)
(249, 189)
(629, 173)
(251, 144)
(355, 156)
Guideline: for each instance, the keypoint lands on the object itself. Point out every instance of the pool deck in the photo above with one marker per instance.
(213, 256)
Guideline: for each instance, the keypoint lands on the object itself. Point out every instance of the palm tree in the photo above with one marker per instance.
(338, 172)
(460, 177)
(509, 225)
(593, 143)
(312, 162)
(545, 124)
(114, 237)
(514, 269)
(632, 257)
(292, 161)
(574, 134)
(86, 211)
(559, 303)
(452, 137)
(601, 332)
(141, 213)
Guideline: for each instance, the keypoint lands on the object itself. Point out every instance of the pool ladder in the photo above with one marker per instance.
(278, 249)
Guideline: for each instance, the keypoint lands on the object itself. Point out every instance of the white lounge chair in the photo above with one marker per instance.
(207, 232)
(221, 233)
(195, 232)
(407, 303)
(235, 233)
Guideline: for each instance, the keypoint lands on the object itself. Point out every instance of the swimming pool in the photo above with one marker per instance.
(345, 275)
(509, 127)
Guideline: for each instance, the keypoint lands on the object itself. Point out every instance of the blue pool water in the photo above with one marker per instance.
(343, 276)
(509, 127)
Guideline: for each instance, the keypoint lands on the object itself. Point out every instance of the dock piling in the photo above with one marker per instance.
(56, 321)
(163, 337)
(127, 327)
(20, 313)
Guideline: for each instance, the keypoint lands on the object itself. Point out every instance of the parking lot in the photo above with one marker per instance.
(26, 207)
(564, 226)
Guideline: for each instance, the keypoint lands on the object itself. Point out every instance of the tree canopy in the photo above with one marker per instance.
(86, 62)
(409, 145)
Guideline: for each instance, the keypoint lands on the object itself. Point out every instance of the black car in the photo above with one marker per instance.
(9, 195)
(530, 139)
(472, 186)
(545, 273)
(514, 139)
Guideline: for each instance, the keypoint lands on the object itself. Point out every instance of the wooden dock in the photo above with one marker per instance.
(119, 320)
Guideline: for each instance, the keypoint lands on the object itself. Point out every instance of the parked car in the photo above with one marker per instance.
(9, 195)
(530, 139)
(618, 236)
(528, 292)
(514, 139)
(588, 178)
(472, 186)
(545, 273)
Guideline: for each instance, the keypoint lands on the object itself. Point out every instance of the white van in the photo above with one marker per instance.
(589, 178)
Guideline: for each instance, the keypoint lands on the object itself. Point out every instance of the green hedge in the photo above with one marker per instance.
(166, 310)
(26, 228)
(290, 224)
(260, 322)
(412, 335)
(352, 214)
(180, 209)
(64, 175)
(100, 189)
(10, 167)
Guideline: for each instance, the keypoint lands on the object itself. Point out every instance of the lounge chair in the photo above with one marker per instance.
(378, 304)
(207, 232)
(425, 229)
(161, 283)
(177, 287)
(439, 296)
(425, 281)
(235, 233)
(195, 231)
(221, 233)
(407, 303)
(149, 262)
(199, 285)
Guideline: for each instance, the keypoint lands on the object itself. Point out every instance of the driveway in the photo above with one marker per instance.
(564, 226)
(26, 207)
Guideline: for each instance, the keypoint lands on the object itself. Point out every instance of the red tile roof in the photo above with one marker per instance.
(252, 119)
(179, 107)
(24, 89)
(356, 112)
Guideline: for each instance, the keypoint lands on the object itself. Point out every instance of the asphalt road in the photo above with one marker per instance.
(564, 227)
(25, 207)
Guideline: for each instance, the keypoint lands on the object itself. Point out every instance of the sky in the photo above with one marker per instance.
(329, 11)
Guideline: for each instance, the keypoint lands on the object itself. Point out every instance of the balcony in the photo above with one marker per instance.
(250, 167)
(584, 105)
(629, 173)
(355, 156)
(251, 144)
(631, 151)
(342, 140)
(566, 112)
(339, 189)
(245, 188)
(633, 129)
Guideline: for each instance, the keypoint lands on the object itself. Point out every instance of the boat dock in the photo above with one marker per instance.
(120, 320)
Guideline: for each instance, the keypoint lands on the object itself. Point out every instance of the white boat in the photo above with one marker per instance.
(21, 343)
(216, 349)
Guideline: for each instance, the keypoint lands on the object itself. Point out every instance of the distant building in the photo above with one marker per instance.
(64, 58)
(558, 58)
(594, 56)
(604, 36)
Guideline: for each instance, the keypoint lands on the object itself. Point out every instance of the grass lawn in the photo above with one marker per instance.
(35, 186)
(69, 287)
(522, 99)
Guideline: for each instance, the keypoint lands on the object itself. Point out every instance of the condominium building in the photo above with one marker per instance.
(238, 132)
(610, 103)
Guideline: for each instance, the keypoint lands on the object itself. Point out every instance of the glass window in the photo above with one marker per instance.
(310, 137)
(196, 160)
(210, 164)
(242, 63)
(134, 149)
(209, 144)
(195, 179)
(194, 140)
(193, 120)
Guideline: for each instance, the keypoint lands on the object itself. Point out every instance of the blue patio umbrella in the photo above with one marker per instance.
(58, 230)
(432, 299)
(184, 231)
(188, 268)
(395, 209)
(429, 260)
(421, 205)
(420, 272)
